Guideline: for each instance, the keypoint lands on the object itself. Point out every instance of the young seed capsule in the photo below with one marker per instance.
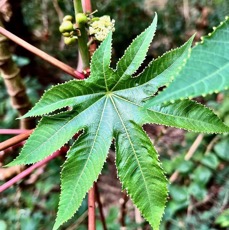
(68, 18)
(66, 34)
(69, 41)
(81, 18)
(66, 26)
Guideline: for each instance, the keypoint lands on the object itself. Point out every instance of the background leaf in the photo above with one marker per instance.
(206, 71)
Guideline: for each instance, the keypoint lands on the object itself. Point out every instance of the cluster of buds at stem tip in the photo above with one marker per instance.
(98, 27)
(68, 31)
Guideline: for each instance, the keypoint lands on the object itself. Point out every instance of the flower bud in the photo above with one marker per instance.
(81, 18)
(69, 40)
(68, 18)
(66, 26)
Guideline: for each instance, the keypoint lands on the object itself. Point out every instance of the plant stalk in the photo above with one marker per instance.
(15, 140)
(83, 38)
(83, 64)
(67, 69)
(91, 208)
(100, 206)
(12, 131)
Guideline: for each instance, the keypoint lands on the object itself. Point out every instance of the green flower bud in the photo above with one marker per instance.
(68, 18)
(66, 26)
(69, 40)
(66, 34)
(81, 18)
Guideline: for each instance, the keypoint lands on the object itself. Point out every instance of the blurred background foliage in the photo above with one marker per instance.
(199, 196)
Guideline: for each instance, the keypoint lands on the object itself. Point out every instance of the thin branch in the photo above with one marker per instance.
(189, 155)
(67, 69)
(78, 221)
(83, 38)
(12, 131)
(194, 147)
(123, 209)
(29, 170)
(15, 140)
(91, 209)
(87, 6)
(58, 10)
(100, 206)
(211, 144)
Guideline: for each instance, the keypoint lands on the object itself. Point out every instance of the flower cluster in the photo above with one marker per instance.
(100, 27)
(68, 31)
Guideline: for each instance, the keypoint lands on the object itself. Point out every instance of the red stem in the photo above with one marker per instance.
(67, 69)
(15, 140)
(100, 206)
(87, 6)
(91, 209)
(12, 131)
(29, 170)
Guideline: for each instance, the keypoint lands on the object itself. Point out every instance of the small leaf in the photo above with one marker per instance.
(210, 160)
(223, 219)
(221, 149)
(202, 175)
(178, 193)
(197, 190)
(185, 167)
(206, 70)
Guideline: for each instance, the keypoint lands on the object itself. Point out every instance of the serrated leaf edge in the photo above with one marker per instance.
(163, 173)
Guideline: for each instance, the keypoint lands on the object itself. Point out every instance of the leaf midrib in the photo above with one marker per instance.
(132, 146)
(123, 74)
(170, 115)
(58, 102)
(47, 140)
(76, 183)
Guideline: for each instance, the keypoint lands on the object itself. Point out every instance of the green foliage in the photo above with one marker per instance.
(202, 74)
(223, 219)
(221, 149)
(110, 104)
(202, 192)
(33, 205)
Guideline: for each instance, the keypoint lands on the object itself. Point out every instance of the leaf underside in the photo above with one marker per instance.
(111, 105)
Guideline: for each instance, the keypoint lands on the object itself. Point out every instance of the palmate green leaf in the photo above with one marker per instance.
(206, 72)
(110, 105)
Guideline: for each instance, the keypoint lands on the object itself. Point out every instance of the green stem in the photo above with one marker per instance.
(82, 40)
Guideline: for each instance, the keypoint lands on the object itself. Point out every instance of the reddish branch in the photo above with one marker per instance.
(123, 209)
(100, 206)
(91, 209)
(29, 170)
(15, 140)
(12, 131)
(67, 69)
(91, 194)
